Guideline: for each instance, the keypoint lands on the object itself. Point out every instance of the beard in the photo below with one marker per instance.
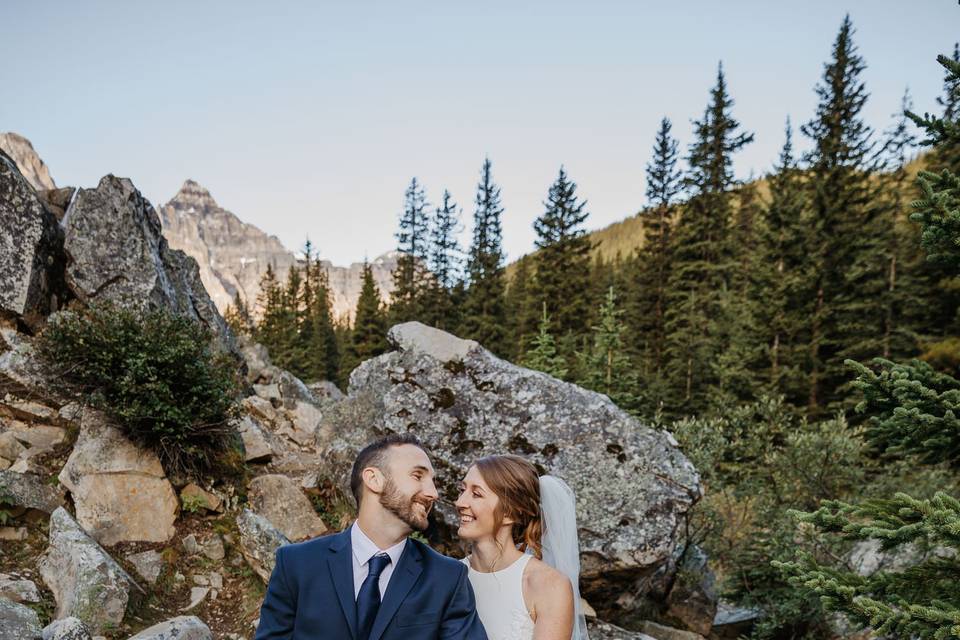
(404, 507)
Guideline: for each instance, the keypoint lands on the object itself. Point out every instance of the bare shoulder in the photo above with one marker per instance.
(545, 579)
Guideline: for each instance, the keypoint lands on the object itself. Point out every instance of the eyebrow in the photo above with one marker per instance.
(420, 467)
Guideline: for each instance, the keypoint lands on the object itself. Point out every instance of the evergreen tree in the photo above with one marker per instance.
(912, 412)
(606, 367)
(270, 330)
(369, 335)
(542, 354)
(946, 154)
(702, 259)
(651, 269)
(237, 316)
(521, 318)
(444, 255)
(562, 264)
(410, 279)
(783, 275)
(847, 271)
(484, 309)
(321, 356)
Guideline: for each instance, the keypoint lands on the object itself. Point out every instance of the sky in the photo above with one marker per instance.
(308, 119)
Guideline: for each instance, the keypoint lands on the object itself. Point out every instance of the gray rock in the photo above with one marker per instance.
(28, 490)
(31, 250)
(692, 600)
(732, 622)
(212, 548)
(258, 445)
(148, 564)
(190, 544)
(280, 500)
(259, 368)
(325, 391)
(180, 628)
(633, 485)
(86, 582)
(599, 630)
(115, 251)
(120, 490)
(56, 200)
(22, 591)
(663, 632)
(259, 541)
(66, 629)
(21, 372)
(18, 622)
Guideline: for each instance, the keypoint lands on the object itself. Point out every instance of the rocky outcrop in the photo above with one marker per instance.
(116, 252)
(259, 541)
(86, 582)
(18, 622)
(181, 628)
(692, 600)
(29, 163)
(633, 485)
(31, 250)
(233, 255)
(120, 490)
(280, 500)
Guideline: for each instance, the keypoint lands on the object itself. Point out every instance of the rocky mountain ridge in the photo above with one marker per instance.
(233, 255)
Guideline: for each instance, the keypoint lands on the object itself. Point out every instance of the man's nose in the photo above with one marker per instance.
(430, 490)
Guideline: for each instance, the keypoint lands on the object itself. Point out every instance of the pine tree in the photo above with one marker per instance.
(946, 155)
(846, 271)
(606, 367)
(650, 271)
(484, 309)
(270, 329)
(542, 355)
(912, 412)
(237, 316)
(444, 259)
(321, 355)
(369, 335)
(521, 318)
(702, 259)
(783, 274)
(410, 278)
(562, 264)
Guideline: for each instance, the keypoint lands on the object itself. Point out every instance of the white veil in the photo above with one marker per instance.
(561, 550)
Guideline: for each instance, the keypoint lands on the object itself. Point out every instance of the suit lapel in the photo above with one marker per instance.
(402, 580)
(340, 561)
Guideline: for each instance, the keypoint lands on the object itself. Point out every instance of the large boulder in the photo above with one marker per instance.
(633, 485)
(18, 622)
(280, 500)
(116, 252)
(259, 541)
(86, 582)
(120, 490)
(180, 628)
(31, 250)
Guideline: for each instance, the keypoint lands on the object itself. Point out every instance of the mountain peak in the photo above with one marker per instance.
(192, 194)
(22, 153)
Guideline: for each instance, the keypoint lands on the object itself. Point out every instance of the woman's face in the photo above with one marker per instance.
(476, 506)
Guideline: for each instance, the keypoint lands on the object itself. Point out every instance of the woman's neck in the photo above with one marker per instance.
(487, 556)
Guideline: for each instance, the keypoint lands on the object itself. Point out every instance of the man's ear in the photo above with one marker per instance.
(373, 479)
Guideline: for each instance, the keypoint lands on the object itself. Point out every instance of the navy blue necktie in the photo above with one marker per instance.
(368, 600)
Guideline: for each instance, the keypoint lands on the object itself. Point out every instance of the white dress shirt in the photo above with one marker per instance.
(363, 549)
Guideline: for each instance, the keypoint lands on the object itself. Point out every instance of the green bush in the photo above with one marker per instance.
(159, 375)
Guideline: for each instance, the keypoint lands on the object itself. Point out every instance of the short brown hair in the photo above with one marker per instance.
(375, 455)
(516, 483)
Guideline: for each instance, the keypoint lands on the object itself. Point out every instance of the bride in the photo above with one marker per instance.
(525, 562)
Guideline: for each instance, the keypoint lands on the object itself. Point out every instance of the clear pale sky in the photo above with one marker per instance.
(310, 118)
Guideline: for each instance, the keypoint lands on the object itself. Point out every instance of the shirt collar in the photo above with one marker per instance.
(364, 548)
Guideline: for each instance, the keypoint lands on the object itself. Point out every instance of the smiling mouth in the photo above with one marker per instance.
(465, 519)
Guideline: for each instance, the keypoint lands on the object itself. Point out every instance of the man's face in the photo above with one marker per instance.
(409, 492)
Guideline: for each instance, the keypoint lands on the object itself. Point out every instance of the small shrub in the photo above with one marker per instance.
(157, 374)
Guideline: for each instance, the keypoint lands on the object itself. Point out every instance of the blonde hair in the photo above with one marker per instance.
(516, 483)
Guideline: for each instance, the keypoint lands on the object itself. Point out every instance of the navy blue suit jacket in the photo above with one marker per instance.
(310, 596)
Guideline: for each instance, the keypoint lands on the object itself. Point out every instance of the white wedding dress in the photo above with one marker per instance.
(500, 602)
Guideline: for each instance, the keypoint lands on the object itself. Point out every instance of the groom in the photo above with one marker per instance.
(372, 582)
